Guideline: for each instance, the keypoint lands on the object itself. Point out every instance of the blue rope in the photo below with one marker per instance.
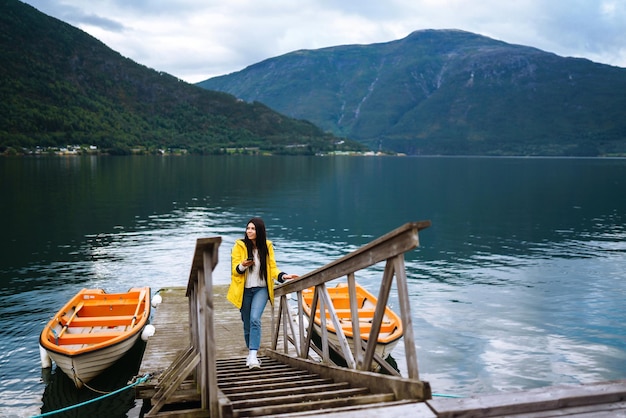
(140, 380)
(443, 395)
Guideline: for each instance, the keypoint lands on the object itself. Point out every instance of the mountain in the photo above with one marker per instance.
(446, 92)
(60, 86)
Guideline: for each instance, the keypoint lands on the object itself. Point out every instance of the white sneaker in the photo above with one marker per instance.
(253, 363)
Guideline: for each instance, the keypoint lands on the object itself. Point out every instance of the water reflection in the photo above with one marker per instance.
(519, 282)
(60, 393)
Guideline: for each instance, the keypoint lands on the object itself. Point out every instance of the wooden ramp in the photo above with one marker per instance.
(280, 389)
(283, 386)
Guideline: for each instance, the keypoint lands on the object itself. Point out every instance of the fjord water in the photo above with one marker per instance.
(519, 283)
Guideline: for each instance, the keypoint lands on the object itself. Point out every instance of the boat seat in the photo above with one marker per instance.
(102, 321)
(121, 309)
(93, 338)
(384, 327)
(346, 313)
(340, 301)
(366, 327)
(111, 302)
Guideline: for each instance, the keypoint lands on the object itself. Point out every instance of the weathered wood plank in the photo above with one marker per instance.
(396, 242)
(320, 405)
(171, 372)
(608, 410)
(171, 322)
(162, 396)
(288, 390)
(400, 409)
(285, 379)
(211, 244)
(185, 413)
(210, 393)
(306, 397)
(552, 398)
(402, 388)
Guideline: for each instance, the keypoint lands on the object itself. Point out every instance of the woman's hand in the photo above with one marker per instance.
(290, 276)
(247, 263)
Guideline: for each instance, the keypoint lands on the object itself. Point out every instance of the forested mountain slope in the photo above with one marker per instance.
(61, 86)
(446, 92)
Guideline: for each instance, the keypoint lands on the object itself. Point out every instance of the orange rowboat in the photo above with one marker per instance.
(391, 327)
(94, 330)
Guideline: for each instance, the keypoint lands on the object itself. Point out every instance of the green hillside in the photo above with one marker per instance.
(60, 86)
(446, 92)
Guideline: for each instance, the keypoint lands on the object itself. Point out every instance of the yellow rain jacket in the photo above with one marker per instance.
(238, 281)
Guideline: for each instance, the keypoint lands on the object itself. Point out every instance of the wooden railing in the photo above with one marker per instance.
(201, 317)
(199, 358)
(389, 248)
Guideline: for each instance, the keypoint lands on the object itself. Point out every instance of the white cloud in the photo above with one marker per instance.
(198, 39)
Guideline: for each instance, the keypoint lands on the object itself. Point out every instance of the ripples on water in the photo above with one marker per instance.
(492, 310)
(551, 315)
(482, 323)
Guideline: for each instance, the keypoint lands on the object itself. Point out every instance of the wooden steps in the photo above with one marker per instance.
(277, 388)
(277, 382)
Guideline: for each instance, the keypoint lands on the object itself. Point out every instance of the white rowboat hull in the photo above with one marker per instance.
(82, 369)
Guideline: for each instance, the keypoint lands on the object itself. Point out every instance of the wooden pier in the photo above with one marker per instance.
(196, 359)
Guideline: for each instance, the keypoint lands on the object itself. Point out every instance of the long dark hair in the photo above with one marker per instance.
(261, 245)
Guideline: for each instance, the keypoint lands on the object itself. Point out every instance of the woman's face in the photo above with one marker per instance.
(251, 232)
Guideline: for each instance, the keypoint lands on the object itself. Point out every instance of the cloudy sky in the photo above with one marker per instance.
(198, 39)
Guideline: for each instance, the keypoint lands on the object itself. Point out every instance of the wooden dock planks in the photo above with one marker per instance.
(171, 320)
(590, 400)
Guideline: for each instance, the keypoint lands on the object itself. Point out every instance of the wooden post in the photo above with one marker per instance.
(407, 322)
(273, 328)
(193, 319)
(201, 335)
(309, 333)
(341, 337)
(287, 325)
(200, 294)
(304, 349)
(379, 313)
(210, 366)
(324, 331)
(356, 329)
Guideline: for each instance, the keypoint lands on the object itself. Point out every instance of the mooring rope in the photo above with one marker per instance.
(86, 385)
(92, 389)
(67, 408)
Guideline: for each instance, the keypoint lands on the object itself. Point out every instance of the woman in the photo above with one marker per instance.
(252, 282)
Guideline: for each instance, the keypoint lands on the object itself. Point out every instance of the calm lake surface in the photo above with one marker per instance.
(519, 283)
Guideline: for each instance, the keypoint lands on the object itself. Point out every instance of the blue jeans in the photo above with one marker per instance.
(254, 301)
